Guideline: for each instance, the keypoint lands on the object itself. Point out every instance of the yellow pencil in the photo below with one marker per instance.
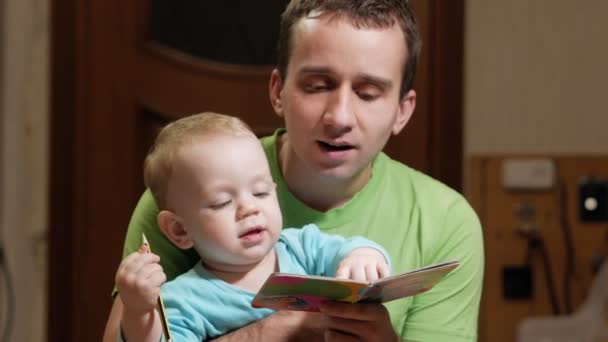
(160, 305)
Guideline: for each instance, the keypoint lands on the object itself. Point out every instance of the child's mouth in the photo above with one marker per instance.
(252, 234)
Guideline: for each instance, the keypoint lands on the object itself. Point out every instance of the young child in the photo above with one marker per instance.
(210, 178)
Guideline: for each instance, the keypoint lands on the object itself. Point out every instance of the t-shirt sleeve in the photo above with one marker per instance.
(449, 312)
(321, 253)
(144, 221)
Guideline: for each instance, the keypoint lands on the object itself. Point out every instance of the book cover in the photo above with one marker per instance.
(283, 291)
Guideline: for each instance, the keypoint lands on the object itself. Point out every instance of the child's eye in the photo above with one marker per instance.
(220, 205)
(261, 194)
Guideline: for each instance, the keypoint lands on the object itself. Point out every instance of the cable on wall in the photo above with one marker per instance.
(562, 201)
(536, 246)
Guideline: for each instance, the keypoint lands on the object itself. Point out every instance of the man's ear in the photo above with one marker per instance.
(406, 109)
(174, 230)
(274, 90)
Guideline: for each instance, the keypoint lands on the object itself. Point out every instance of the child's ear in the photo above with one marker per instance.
(174, 230)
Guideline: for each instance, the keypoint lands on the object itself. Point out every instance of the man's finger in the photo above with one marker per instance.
(337, 336)
(360, 311)
(378, 329)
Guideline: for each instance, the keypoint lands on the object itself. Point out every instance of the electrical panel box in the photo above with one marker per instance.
(528, 174)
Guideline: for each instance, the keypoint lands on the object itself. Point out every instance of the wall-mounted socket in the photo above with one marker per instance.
(593, 200)
(528, 174)
(517, 282)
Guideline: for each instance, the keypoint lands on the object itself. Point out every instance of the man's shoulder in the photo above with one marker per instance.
(419, 182)
(424, 193)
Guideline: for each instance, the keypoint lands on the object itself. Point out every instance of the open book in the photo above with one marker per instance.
(283, 291)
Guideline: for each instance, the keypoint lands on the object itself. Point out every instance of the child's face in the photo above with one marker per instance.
(223, 194)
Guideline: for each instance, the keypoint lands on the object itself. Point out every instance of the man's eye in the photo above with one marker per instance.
(367, 96)
(220, 205)
(317, 86)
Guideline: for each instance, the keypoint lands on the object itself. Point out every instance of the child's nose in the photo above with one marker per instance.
(247, 207)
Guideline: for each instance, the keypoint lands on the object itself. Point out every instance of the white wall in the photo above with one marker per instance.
(536, 74)
(24, 152)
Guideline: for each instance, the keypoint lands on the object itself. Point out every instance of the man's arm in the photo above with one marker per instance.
(113, 324)
(281, 326)
(358, 322)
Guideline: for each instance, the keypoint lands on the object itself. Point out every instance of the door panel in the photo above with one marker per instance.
(113, 87)
(231, 32)
(170, 82)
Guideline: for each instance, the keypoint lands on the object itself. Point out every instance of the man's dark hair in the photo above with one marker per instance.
(361, 13)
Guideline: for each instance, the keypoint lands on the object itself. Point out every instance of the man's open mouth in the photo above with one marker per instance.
(333, 147)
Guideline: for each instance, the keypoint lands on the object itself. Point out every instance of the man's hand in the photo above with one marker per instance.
(138, 280)
(368, 322)
(363, 264)
(292, 326)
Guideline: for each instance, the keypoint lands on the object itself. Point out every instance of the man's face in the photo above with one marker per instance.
(223, 194)
(340, 99)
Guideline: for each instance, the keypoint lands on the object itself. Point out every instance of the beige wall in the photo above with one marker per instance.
(536, 76)
(24, 122)
(536, 82)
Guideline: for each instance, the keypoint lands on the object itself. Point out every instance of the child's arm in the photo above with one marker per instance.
(138, 279)
(363, 264)
(324, 254)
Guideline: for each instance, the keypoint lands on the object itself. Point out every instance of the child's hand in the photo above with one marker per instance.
(363, 264)
(138, 280)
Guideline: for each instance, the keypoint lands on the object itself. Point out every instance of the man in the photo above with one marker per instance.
(343, 85)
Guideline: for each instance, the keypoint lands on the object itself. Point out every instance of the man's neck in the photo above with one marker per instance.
(317, 192)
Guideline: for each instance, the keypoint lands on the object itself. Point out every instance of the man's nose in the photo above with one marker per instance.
(339, 114)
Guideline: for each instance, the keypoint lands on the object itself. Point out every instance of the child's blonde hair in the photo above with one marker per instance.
(158, 165)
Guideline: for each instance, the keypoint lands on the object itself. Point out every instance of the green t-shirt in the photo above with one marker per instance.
(418, 220)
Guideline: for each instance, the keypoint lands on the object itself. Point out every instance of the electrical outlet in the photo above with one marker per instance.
(528, 174)
(517, 282)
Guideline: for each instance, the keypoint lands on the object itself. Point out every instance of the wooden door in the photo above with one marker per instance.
(118, 75)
